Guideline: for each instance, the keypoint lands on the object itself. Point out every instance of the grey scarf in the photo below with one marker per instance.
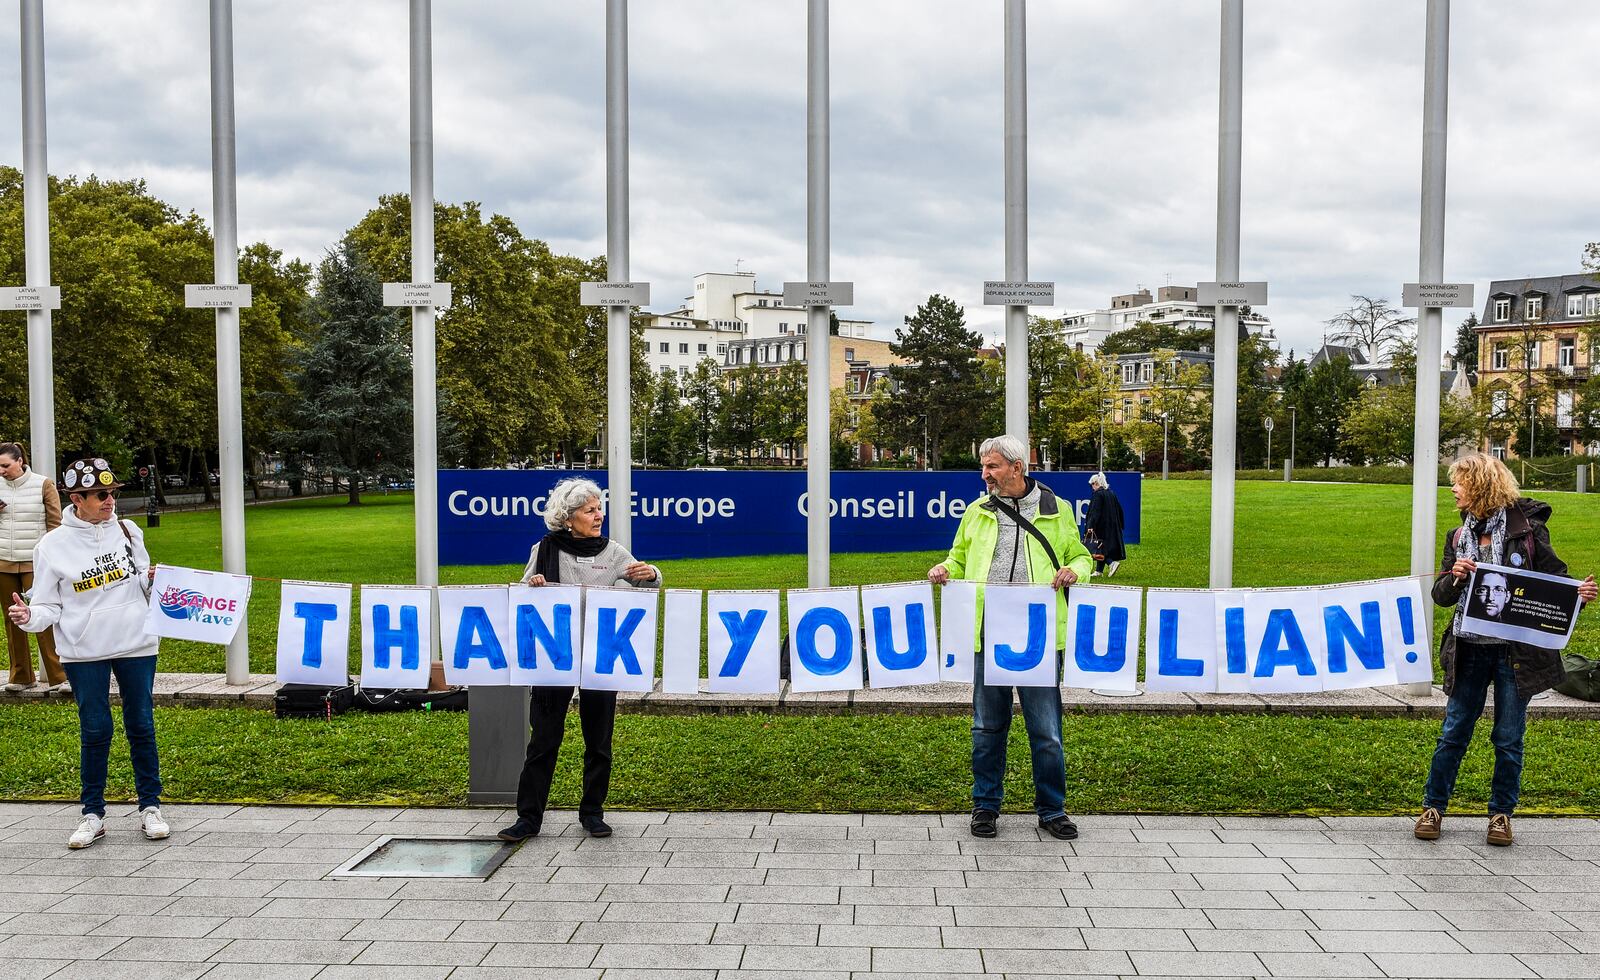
(1467, 547)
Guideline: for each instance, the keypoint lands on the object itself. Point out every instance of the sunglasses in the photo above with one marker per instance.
(101, 495)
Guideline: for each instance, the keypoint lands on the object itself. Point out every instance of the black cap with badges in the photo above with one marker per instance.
(89, 475)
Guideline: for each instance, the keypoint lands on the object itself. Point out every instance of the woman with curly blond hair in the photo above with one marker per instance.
(1499, 526)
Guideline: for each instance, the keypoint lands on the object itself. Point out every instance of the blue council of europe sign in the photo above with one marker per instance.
(492, 517)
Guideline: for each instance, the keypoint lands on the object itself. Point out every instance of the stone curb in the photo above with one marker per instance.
(212, 691)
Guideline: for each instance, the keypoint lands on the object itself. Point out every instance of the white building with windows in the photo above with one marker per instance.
(1176, 306)
(726, 307)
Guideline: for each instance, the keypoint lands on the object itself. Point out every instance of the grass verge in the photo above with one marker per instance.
(1115, 763)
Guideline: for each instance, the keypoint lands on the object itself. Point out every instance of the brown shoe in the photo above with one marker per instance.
(1428, 824)
(1500, 829)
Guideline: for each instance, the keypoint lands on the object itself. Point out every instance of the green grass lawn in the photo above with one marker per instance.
(1285, 534)
(1127, 762)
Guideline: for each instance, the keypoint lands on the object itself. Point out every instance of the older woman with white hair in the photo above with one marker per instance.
(574, 552)
(1102, 527)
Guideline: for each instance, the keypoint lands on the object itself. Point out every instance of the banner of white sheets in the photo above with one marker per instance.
(1261, 641)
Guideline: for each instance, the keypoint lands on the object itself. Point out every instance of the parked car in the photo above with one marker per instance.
(172, 480)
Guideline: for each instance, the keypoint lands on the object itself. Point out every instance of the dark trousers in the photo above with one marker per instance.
(597, 715)
(91, 687)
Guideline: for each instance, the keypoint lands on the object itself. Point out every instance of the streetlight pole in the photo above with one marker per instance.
(1291, 442)
(1165, 418)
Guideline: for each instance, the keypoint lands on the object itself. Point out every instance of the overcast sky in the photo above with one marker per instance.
(1122, 117)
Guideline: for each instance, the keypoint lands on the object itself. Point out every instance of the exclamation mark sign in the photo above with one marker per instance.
(1408, 627)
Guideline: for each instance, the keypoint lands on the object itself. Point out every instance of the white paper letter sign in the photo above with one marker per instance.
(314, 634)
(545, 624)
(1413, 619)
(619, 639)
(680, 646)
(1276, 636)
(472, 634)
(958, 630)
(396, 634)
(190, 604)
(1180, 641)
(1360, 635)
(1019, 636)
(824, 651)
(901, 647)
(742, 642)
(1102, 637)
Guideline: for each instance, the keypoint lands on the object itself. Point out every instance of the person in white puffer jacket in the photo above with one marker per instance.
(30, 507)
(91, 582)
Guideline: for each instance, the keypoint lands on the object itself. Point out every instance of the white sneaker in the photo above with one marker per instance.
(90, 829)
(154, 827)
(1111, 569)
(65, 687)
(16, 687)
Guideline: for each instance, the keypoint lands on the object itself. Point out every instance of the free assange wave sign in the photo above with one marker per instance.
(492, 517)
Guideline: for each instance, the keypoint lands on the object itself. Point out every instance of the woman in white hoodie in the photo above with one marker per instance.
(91, 581)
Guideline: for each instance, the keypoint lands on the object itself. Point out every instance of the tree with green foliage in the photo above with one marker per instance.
(1258, 400)
(738, 429)
(941, 389)
(521, 362)
(1321, 397)
(1381, 425)
(1146, 336)
(352, 373)
(702, 392)
(1466, 349)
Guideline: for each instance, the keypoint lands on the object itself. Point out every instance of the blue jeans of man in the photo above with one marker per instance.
(991, 724)
(91, 687)
(1478, 666)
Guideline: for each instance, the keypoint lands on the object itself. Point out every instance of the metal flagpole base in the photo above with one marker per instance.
(1105, 693)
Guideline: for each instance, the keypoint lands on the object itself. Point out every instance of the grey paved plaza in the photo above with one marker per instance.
(245, 891)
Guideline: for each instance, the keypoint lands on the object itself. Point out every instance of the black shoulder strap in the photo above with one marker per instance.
(1027, 525)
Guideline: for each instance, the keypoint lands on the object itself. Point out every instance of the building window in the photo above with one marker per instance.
(722, 348)
(791, 350)
(1575, 306)
(761, 302)
(1593, 305)
(1566, 352)
(1531, 353)
(1535, 308)
(1502, 357)
(1498, 400)
(701, 349)
(783, 328)
(1564, 409)
(683, 348)
(1502, 310)
(666, 348)
(855, 385)
(802, 328)
(849, 353)
(1497, 448)
(1128, 372)
(666, 370)
(683, 372)
(1145, 370)
(802, 352)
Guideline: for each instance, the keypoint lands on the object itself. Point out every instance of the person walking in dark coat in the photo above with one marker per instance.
(1102, 527)
(1499, 526)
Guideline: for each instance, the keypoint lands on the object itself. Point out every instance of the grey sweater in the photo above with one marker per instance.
(604, 569)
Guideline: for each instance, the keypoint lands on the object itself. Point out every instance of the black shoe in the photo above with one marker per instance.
(983, 823)
(1061, 828)
(595, 826)
(521, 830)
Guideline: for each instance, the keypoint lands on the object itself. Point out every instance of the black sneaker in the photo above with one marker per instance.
(595, 826)
(983, 823)
(1061, 828)
(521, 830)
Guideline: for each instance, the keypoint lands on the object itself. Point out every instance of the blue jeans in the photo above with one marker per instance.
(91, 686)
(1477, 667)
(991, 723)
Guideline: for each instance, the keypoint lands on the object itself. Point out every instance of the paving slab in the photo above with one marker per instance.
(726, 895)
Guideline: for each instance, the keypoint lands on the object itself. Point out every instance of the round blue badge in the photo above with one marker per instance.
(1516, 560)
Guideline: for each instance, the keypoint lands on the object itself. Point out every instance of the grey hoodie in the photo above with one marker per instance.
(91, 582)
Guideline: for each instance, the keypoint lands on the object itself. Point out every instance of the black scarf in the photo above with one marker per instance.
(548, 560)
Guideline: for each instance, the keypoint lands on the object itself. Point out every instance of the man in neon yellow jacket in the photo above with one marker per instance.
(992, 547)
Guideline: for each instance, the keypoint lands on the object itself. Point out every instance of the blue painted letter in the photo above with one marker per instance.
(1168, 663)
(742, 633)
(916, 638)
(616, 643)
(475, 637)
(1007, 657)
(1367, 642)
(805, 641)
(1233, 637)
(532, 633)
(315, 614)
(1283, 645)
(407, 637)
(1116, 655)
